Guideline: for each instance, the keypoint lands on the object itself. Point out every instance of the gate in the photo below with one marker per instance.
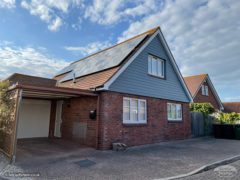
(200, 125)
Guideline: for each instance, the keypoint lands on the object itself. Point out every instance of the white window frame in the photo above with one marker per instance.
(139, 121)
(204, 89)
(160, 64)
(175, 119)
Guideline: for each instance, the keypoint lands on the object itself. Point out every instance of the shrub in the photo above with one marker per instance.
(5, 101)
(227, 118)
(234, 116)
(205, 108)
(5, 107)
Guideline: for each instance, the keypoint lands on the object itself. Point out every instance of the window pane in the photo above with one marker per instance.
(203, 90)
(126, 102)
(126, 113)
(150, 65)
(173, 109)
(169, 111)
(206, 90)
(126, 109)
(134, 110)
(161, 68)
(154, 66)
(179, 111)
(142, 110)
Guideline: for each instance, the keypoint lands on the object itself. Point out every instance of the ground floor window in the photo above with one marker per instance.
(134, 111)
(174, 112)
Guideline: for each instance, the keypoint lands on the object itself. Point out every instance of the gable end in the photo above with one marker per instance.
(212, 89)
(167, 54)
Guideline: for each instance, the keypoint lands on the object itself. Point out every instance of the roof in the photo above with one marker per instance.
(194, 83)
(24, 79)
(156, 33)
(41, 92)
(98, 71)
(232, 107)
(91, 81)
(105, 59)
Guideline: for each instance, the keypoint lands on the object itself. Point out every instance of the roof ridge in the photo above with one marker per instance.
(150, 31)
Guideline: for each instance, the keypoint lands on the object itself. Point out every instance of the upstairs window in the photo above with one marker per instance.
(204, 90)
(156, 66)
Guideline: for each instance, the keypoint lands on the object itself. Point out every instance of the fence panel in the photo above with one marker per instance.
(197, 124)
(201, 126)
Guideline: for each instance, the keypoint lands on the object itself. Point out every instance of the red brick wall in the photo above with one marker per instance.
(157, 129)
(199, 98)
(77, 110)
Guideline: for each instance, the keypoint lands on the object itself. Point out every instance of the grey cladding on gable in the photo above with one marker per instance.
(136, 80)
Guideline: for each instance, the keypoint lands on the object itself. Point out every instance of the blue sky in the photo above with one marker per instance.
(39, 37)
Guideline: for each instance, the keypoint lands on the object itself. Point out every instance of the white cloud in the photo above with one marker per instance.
(50, 11)
(90, 48)
(27, 60)
(107, 12)
(54, 26)
(7, 4)
(203, 36)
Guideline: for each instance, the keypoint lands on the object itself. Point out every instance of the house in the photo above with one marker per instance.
(132, 93)
(203, 91)
(231, 107)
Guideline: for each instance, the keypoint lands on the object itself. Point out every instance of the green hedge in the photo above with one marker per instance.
(227, 118)
(5, 108)
(205, 108)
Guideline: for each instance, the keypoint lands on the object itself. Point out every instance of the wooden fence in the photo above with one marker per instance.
(201, 126)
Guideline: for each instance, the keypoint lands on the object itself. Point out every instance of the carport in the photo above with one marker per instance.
(39, 112)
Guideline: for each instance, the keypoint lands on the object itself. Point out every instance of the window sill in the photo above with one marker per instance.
(134, 124)
(159, 77)
(175, 121)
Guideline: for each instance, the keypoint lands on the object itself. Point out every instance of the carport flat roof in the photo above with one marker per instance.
(29, 91)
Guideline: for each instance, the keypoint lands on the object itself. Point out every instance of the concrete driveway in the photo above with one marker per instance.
(145, 162)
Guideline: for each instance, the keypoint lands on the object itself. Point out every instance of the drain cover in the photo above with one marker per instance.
(85, 163)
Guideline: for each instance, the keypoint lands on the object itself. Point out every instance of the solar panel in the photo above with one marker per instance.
(102, 60)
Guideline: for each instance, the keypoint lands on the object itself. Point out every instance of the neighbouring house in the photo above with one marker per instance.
(231, 107)
(203, 91)
(132, 93)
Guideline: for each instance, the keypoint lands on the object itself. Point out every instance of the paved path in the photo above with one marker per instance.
(145, 162)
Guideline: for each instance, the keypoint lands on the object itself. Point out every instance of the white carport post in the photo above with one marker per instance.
(18, 105)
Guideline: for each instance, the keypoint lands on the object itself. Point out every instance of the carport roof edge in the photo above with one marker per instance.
(53, 91)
